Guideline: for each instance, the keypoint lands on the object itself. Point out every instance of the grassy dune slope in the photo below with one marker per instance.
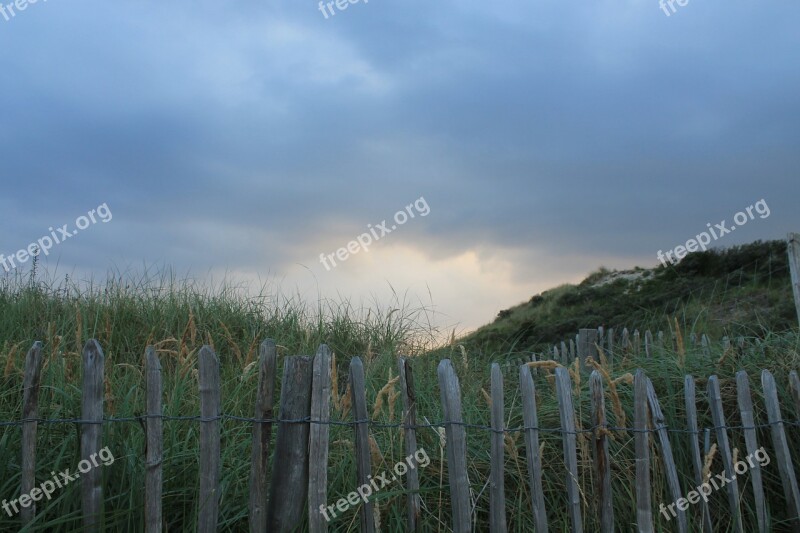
(178, 317)
(744, 290)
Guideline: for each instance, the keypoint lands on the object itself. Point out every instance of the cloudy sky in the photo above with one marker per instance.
(244, 139)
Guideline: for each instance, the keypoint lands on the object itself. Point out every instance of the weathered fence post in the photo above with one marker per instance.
(602, 461)
(290, 460)
(644, 512)
(567, 414)
(793, 242)
(648, 344)
(745, 401)
(534, 359)
(410, 436)
(587, 346)
(262, 435)
(155, 444)
(531, 420)
(30, 411)
(718, 417)
(690, 401)
(625, 341)
(456, 436)
(794, 387)
(210, 410)
(497, 491)
(783, 455)
(660, 424)
(92, 434)
(318, 440)
(361, 419)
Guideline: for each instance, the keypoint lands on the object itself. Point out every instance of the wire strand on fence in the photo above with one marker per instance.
(383, 425)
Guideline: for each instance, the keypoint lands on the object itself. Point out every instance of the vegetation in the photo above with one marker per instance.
(743, 290)
(179, 316)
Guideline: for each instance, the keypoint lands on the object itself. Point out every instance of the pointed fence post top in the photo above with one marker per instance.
(92, 352)
(208, 364)
(33, 364)
(322, 351)
(267, 344)
(793, 249)
(207, 354)
(152, 360)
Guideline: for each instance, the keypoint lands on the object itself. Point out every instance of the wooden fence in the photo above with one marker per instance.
(600, 341)
(300, 450)
(793, 248)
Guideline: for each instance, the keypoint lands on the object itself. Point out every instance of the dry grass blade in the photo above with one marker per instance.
(464, 358)
(602, 355)
(575, 373)
(336, 398)
(186, 333)
(251, 352)
(548, 365)
(347, 400)
(708, 461)
(392, 400)
(375, 453)
(12, 355)
(210, 341)
(231, 342)
(487, 397)
(246, 371)
(384, 393)
(616, 404)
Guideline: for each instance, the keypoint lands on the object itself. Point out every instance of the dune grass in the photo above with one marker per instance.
(179, 316)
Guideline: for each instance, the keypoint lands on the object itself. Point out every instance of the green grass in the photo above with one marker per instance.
(179, 316)
(744, 290)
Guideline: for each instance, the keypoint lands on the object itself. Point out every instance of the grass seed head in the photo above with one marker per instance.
(708, 461)
(547, 364)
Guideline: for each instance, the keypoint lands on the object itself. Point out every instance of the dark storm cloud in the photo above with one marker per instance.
(230, 127)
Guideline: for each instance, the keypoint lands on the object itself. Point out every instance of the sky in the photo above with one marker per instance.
(255, 141)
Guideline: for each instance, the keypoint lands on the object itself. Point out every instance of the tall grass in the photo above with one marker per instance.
(179, 316)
